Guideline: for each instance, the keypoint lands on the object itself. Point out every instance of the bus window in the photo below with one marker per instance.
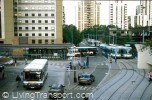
(33, 76)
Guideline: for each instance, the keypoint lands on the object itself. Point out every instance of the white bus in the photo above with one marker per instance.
(35, 73)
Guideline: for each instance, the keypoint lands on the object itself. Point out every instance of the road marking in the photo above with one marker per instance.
(88, 88)
(83, 88)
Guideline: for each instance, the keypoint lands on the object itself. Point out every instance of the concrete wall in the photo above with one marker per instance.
(144, 60)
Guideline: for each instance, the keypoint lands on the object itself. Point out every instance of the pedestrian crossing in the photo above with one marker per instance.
(58, 63)
(83, 88)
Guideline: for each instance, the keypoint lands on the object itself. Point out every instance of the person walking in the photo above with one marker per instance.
(18, 80)
(15, 61)
(25, 61)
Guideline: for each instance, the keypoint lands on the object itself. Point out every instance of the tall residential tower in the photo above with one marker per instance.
(118, 14)
(88, 14)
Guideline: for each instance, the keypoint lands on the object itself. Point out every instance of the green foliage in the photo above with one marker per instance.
(147, 44)
(71, 34)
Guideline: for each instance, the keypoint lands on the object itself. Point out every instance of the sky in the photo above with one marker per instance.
(71, 7)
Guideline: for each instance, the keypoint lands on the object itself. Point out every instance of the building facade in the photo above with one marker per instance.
(118, 15)
(88, 14)
(146, 6)
(31, 21)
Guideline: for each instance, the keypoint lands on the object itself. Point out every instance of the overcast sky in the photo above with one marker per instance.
(71, 5)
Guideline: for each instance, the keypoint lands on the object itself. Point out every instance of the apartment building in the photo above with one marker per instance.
(146, 6)
(132, 21)
(88, 14)
(31, 21)
(118, 14)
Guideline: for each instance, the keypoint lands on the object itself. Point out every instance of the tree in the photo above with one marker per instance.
(71, 34)
(147, 44)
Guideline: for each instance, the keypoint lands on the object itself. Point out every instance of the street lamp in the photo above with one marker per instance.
(115, 54)
(74, 66)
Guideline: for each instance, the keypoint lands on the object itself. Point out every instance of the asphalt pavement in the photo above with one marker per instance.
(124, 81)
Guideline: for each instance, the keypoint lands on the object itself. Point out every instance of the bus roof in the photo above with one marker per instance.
(36, 65)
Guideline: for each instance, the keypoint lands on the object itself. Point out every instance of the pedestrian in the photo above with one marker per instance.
(25, 61)
(18, 80)
(15, 61)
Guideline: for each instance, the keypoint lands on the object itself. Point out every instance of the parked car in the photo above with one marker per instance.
(56, 91)
(86, 79)
(10, 62)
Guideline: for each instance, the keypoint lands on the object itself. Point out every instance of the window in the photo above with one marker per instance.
(39, 28)
(20, 28)
(52, 41)
(26, 0)
(46, 28)
(20, 34)
(26, 21)
(52, 28)
(15, 34)
(46, 34)
(26, 8)
(52, 34)
(40, 41)
(52, 21)
(33, 14)
(26, 34)
(15, 28)
(26, 28)
(19, 21)
(39, 14)
(33, 28)
(33, 34)
(40, 34)
(26, 14)
(33, 8)
(33, 41)
(46, 14)
(39, 0)
(52, 15)
(33, 21)
(52, 8)
(52, 1)
(39, 21)
(46, 41)
(46, 21)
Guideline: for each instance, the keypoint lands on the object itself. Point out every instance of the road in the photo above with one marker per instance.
(129, 83)
(57, 74)
(116, 81)
(98, 69)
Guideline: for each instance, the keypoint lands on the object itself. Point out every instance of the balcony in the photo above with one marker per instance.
(16, 23)
(36, 3)
(34, 30)
(36, 17)
(52, 10)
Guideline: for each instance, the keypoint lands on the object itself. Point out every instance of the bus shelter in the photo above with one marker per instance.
(33, 51)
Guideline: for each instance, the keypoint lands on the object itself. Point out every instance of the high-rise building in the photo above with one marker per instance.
(118, 14)
(147, 10)
(31, 21)
(88, 14)
(132, 21)
(140, 19)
